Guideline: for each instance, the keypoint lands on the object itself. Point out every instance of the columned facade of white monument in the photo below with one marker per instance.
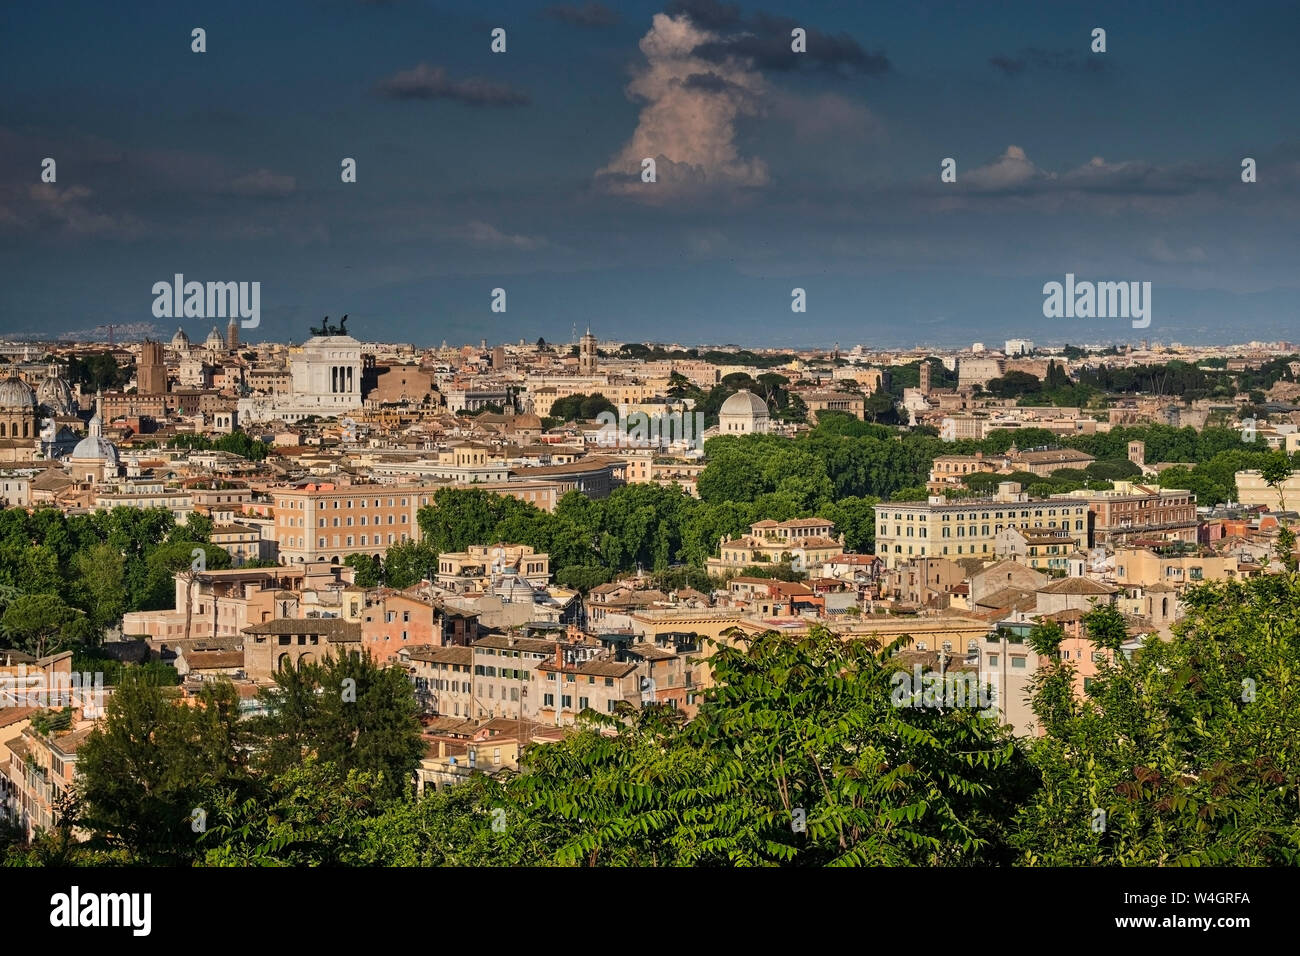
(326, 381)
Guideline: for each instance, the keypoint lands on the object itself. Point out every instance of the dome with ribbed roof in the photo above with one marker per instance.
(742, 414)
(16, 395)
(180, 341)
(744, 402)
(55, 395)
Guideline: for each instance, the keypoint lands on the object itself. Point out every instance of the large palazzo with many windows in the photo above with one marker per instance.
(967, 527)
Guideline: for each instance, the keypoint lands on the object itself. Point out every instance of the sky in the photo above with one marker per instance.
(774, 170)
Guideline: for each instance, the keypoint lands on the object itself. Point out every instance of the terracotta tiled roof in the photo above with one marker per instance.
(442, 655)
(1084, 586)
(332, 628)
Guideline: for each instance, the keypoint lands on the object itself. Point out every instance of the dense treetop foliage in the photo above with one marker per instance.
(65, 578)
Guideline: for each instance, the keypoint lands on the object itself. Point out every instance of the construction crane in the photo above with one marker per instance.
(101, 328)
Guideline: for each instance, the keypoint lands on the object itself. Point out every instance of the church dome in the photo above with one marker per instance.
(744, 402)
(215, 340)
(180, 341)
(95, 447)
(16, 395)
(56, 395)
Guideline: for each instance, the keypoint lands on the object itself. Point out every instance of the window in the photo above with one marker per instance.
(1018, 663)
(609, 682)
(548, 700)
(583, 703)
(993, 660)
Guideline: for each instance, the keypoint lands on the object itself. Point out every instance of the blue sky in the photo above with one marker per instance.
(517, 170)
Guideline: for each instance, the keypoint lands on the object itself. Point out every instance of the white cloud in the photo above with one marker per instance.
(1011, 170)
(688, 122)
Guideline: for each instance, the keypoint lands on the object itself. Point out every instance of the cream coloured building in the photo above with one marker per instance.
(543, 391)
(481, 563)
(744, 413)
(1253, 490)
(1144, 567)
(804, 542)
(969, 527)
